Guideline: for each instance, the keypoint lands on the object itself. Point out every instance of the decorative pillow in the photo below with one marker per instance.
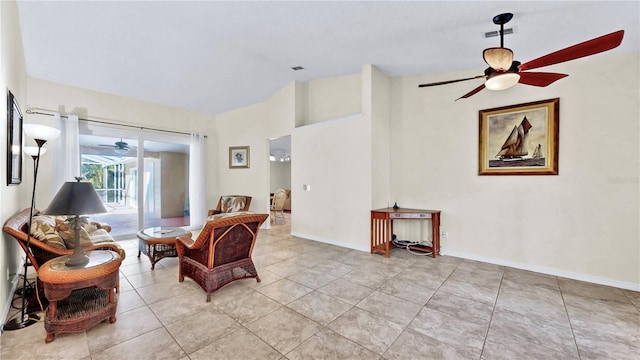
(100, 236)
(232, 203)
(43, 228)
(226, 215)
(90, 227)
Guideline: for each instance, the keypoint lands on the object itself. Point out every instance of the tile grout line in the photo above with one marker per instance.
(422, 308)
(495, 303)
(564, 304)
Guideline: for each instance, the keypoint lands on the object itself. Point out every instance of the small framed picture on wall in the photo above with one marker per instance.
(238, 157)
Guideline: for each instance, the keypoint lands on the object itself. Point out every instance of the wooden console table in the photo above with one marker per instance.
(382, 228)
(80, 296)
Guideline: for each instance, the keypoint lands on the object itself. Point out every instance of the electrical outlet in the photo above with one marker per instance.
(8, 274)
(445, 234)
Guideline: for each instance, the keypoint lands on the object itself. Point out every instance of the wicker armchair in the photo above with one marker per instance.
(222, 252)
(231, 203)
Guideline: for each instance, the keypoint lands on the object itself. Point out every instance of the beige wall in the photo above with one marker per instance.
(280, 175)
(332, 98)
(376, 99)
(244, 128)
(253, 126)
(15, 197)
(582, 223)
(174, 171)
(332, 154)
(334, 159)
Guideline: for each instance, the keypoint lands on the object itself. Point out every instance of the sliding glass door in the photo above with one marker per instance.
(142, 178)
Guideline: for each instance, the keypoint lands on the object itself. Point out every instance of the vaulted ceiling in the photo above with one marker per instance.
(215, 56)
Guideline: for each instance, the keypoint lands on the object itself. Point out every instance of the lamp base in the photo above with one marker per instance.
(78, 258)
(17, 323)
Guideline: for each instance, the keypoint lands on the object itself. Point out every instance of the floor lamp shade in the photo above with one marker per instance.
(41, 132)
(76, 198)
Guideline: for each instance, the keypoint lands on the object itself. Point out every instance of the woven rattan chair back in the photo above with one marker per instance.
(222, 252)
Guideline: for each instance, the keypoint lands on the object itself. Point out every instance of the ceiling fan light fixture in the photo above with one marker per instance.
(502, 81)
(499, 58)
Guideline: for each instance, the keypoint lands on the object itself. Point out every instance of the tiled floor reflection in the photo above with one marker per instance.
(318, 301)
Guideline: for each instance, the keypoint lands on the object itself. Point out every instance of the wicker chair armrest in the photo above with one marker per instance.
(186, 240)
(183, 242)
(214, 212)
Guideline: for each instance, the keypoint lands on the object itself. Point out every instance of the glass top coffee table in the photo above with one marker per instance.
(159, 242)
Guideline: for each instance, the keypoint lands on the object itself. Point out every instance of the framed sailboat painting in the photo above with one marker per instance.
(520, 139)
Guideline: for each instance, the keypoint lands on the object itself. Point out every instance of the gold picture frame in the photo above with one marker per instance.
(520, 139)
(239, 157)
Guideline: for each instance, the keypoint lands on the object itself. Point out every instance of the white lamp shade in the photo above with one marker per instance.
(33, 150)
(41, 132)
(502, 81)
(499, 59)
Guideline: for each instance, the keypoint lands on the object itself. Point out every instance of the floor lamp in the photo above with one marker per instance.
(41, 134)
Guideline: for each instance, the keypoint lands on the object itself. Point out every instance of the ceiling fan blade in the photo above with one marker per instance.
(450, 81)
(472, 92)
(541, 79)
(589, 47)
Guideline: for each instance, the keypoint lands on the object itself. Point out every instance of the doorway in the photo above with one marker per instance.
(280, 174)
(142, 179)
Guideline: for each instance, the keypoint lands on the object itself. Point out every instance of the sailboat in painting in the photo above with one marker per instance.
(537, 153)
(514, 151)
(515, 147)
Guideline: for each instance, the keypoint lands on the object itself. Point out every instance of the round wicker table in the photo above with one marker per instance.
(80, 296)
(159, 242)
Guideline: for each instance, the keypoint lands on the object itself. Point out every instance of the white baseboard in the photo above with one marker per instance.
(546, 270)
(330, 241)
(5, 311)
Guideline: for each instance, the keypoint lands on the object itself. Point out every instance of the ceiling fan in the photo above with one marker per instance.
(120, 147)
(504, 72)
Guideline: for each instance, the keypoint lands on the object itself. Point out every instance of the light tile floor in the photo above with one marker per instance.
(318, 301)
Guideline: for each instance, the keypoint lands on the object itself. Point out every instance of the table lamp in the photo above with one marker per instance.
(76, 198)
